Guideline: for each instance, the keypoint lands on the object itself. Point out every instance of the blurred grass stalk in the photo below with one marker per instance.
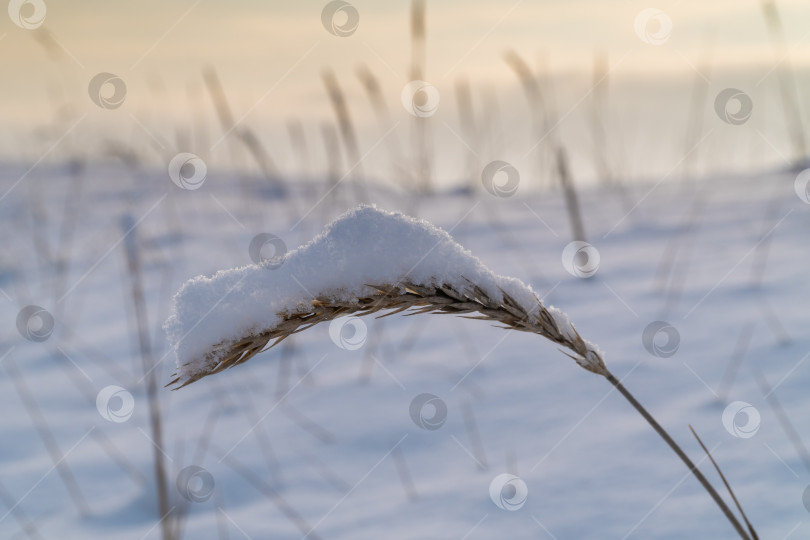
(347, 133)
(787, 81)
(545, 129)
(48, 439)
(698, 102)
(377, 99)
(424, 182)
(129, 230)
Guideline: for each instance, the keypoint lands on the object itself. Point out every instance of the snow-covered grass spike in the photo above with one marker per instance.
(368, 261)
(399, 297)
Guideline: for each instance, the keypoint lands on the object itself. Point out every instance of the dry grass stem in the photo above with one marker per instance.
(470, 301)
(751, 530)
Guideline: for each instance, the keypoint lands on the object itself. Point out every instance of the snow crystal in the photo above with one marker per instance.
(364, 246)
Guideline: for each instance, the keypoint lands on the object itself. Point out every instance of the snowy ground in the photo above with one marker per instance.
(315, 437)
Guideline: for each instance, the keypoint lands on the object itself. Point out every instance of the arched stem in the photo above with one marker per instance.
(681, 454)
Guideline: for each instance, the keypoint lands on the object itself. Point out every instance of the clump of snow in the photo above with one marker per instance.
(364, 246)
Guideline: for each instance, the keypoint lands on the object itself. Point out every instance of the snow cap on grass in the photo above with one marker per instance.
(364, 246)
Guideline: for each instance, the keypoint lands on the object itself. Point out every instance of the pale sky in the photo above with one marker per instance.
(270, 54)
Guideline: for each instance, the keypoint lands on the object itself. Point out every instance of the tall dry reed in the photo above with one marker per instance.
(470, 301)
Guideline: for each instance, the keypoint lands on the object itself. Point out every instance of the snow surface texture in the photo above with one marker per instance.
(328, 429)
(364, 246)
